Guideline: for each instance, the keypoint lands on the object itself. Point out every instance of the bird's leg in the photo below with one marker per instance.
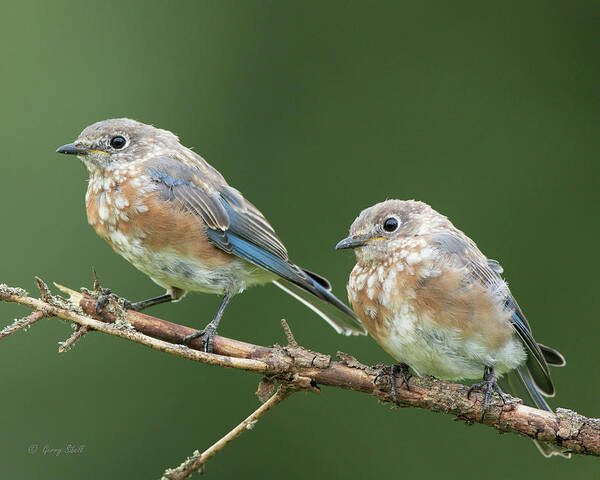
(172, 294)
(210, 330)
(150, 302)
(403, 370)
(490, 383)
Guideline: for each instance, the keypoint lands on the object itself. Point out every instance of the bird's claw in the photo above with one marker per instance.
(490, 383)
(208, 336)
(102, 302)
(391, 371)
(106, 296)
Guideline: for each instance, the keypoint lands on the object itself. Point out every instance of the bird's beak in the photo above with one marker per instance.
(353, 241)
(71, 149)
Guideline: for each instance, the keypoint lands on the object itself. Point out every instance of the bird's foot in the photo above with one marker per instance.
(209, 332)
(106, 296)
(208, 336)
(490, 384)
(392, 371)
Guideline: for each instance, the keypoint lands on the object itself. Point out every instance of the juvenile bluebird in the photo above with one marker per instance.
(175, 218)
(434, 302)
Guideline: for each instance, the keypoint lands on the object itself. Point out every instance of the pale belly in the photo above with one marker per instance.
(168, 269)
(445, 353)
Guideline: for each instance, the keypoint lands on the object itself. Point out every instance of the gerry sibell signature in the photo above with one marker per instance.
(47, 450)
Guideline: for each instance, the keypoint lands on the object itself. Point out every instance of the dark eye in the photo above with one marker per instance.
(390, 225)
(117, 142)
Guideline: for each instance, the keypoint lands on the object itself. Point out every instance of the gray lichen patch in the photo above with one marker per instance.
(18, 324)
(123, 324)
(6, 291)
(571, 423)
(61, 302)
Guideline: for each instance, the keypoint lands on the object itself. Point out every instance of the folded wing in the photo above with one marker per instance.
(237, 227)
(463, 250)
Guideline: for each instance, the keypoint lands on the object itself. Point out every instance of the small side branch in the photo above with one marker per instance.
(79, 332)
(22, 323)
(197, 461)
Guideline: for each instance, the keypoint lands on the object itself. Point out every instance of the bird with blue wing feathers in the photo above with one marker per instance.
(174, 217)
(435, 303)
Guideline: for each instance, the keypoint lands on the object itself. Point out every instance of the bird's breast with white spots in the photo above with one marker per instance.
(419, 310)
(113, 201)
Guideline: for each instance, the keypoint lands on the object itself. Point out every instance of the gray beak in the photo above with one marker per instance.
(71, 149)
(352, 241)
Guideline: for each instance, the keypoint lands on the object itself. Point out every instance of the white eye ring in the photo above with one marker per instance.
(391, 224)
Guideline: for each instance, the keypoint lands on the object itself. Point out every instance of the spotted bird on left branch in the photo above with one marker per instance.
(174, 217)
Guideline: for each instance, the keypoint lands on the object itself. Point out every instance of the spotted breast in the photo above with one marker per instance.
(168, 244)
(418, 305)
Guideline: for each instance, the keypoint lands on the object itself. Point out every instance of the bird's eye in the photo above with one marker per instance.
(117, 142)
(391, 224)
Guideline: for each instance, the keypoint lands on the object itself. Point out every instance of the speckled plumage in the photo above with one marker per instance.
(174, 217)
(160, 238)
(168, 245)
(433, 301)
(424, 307)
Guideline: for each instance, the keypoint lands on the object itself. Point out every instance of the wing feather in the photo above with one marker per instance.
(463, 250)
(237, 227)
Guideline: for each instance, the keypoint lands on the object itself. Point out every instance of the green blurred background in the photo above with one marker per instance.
(315, 111)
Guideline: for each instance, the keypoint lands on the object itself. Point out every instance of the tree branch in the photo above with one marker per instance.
(198, 460)
(294, 365)
(22, 323)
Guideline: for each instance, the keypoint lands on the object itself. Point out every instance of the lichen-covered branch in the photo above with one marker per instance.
(197, 461)
(22, 323)
(303, 368)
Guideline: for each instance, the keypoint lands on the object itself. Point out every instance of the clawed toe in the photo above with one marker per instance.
(101, 303)
(391, 371)
(208, 336)
(490, 384)
(188, 338)
(105, 297)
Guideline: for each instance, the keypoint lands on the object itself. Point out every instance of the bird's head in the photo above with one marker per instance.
(111, 143)
(380, 228)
